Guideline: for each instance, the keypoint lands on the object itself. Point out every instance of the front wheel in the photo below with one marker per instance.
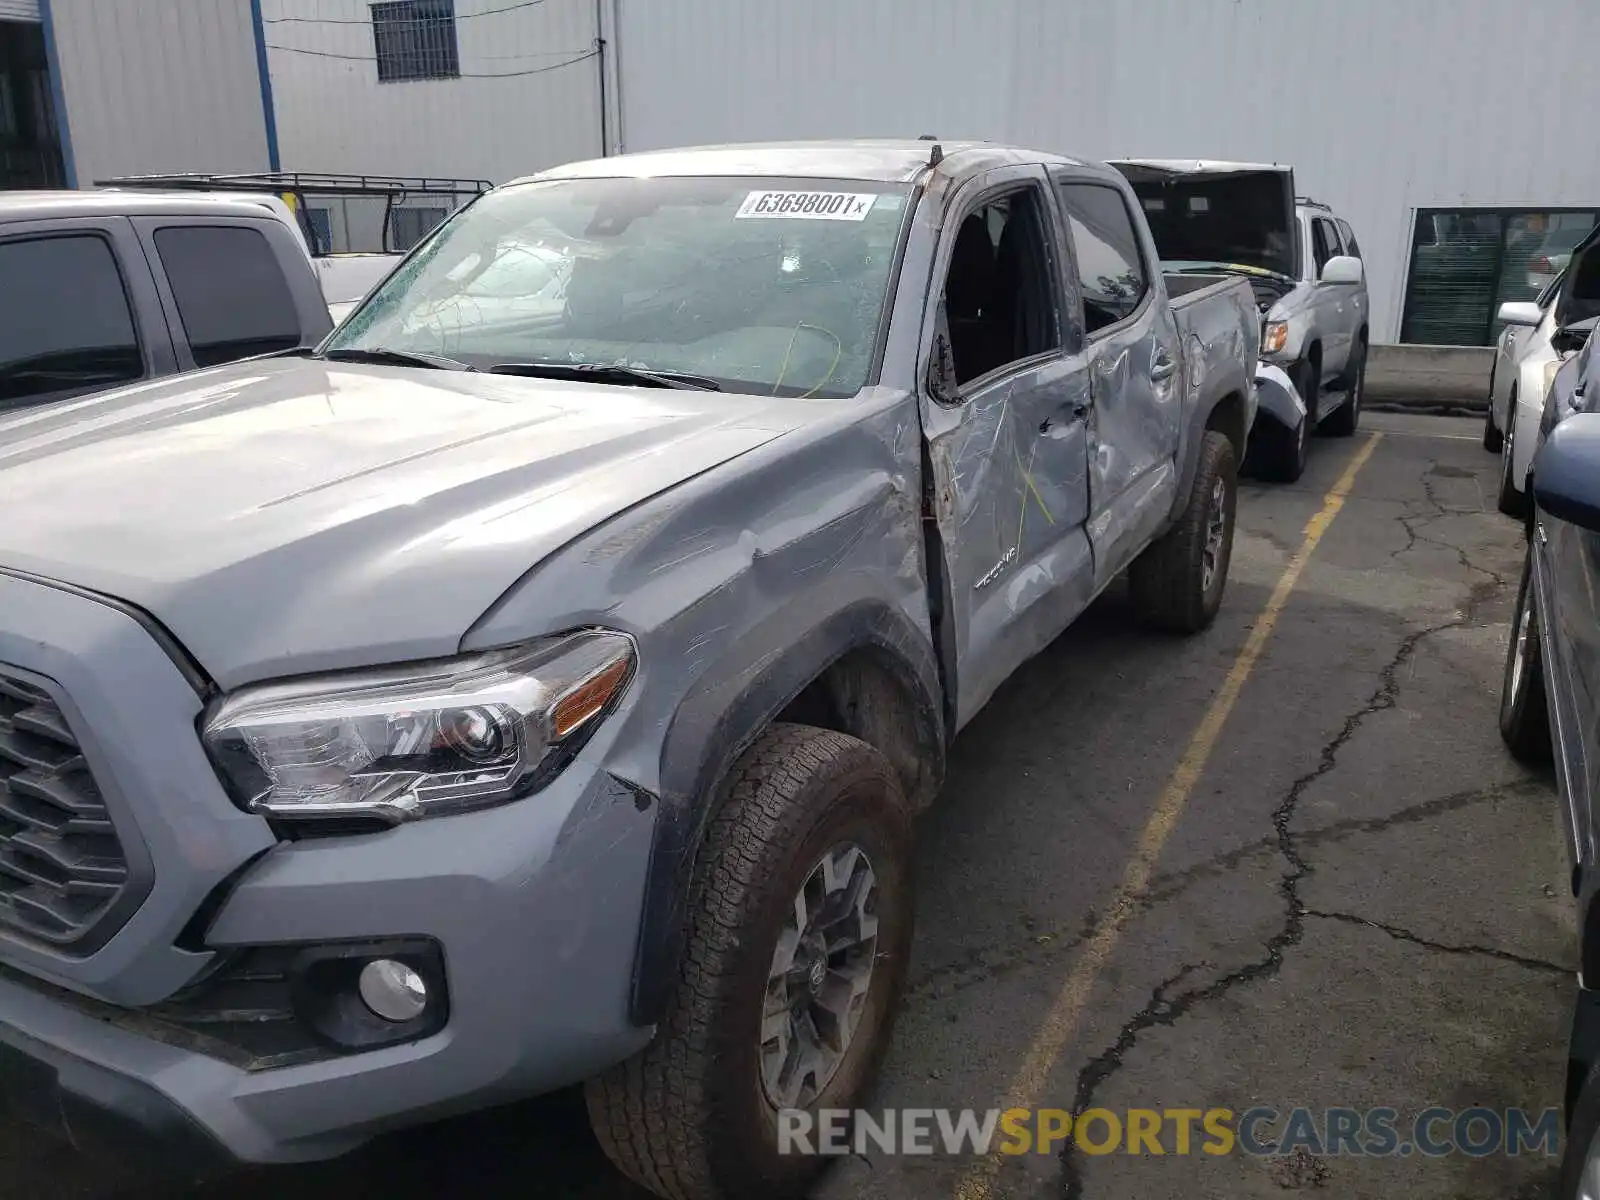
(1177, 583)
(797, 949)
(1524, 713)
(1511, 501)
(1280, 452)
(1492, 438)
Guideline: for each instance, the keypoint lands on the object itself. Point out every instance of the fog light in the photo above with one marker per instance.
(393, 990)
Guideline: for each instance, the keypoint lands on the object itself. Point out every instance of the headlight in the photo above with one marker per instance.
(1550, 369)
(417, 740)
(1274, 337)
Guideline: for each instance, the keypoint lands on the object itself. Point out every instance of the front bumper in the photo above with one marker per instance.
(535, 906)
(94, 1108)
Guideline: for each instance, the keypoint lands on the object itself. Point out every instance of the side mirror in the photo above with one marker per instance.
(1519, 312)
(943, 387)
(1566, 472)
(1343, 269)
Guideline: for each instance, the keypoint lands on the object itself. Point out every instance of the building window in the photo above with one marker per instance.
(1466, 262)
(415, 39)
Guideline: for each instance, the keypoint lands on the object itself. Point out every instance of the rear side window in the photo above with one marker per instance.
(230, 290)
(1111, 269)
(65, 324)
(1349, 235)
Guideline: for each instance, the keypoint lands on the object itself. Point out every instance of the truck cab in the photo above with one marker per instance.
(506, 698)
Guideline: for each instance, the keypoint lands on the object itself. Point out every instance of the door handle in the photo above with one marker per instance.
(1163, 368)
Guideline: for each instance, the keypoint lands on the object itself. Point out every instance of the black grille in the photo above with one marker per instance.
(61, 863)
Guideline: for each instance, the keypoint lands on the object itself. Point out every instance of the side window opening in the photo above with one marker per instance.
(231, 294)
(1002, 290)
(1324, 243)
(65, 323)
(1350, 246)
(1111, 270)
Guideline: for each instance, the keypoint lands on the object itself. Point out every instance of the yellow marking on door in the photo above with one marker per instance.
(1060, 1024)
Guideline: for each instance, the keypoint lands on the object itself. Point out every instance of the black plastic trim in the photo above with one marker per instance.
(100, 1109)
(706, 738)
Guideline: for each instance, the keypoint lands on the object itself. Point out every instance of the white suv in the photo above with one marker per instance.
(1304, 265)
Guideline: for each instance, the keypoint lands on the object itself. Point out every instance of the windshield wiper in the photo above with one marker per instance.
(609, 373)
(398, 358)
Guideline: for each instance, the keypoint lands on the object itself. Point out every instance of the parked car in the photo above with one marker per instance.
(388, 734)
(1526, 361)
(1550, 705)
(1305, 266)
(103, 289)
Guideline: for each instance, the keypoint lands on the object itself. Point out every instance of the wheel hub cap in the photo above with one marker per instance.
(820, 978)
(1519, 658)
(1216, 534)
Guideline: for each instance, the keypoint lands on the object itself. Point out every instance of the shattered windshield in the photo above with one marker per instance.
(762, 285)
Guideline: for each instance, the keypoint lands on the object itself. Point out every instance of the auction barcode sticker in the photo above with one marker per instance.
(808, 206)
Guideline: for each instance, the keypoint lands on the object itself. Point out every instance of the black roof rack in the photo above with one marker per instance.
(300, 184)
(314, 182)
(1312, 201)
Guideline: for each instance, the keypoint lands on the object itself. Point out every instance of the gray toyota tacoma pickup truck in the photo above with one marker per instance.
(477, 706)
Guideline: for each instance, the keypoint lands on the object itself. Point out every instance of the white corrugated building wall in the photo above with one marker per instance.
(1382, 107)
(515, 86)
(148, 87)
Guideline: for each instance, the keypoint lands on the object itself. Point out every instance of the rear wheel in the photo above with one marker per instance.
(1491, 433)
(798, 942)
(1524, 715)
(1511, 501)
(1177, 583)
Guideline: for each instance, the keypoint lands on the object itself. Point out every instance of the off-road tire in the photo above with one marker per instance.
(1510, 501)
(1342, 421)
(1277, 453)
(1166, 581)
(1524, 710)
(688, 1117)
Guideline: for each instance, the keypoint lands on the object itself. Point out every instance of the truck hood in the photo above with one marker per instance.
(284, 515)
(1241, 214)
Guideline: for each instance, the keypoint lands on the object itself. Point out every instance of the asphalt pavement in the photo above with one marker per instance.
(1237, 870)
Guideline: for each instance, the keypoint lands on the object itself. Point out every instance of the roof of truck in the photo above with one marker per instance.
(38, 205)
(901, 160)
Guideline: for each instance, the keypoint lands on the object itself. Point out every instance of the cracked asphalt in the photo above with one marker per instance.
(1363, 904)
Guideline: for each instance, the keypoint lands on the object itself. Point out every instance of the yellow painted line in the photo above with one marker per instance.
(1061, 1022)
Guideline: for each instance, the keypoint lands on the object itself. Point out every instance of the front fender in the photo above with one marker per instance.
(1277, 397)
(740, 586)
(730, 708)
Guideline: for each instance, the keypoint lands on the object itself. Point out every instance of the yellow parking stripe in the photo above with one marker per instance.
(1061, 1022)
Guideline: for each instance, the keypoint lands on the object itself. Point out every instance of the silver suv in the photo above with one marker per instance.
(1304, 265)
